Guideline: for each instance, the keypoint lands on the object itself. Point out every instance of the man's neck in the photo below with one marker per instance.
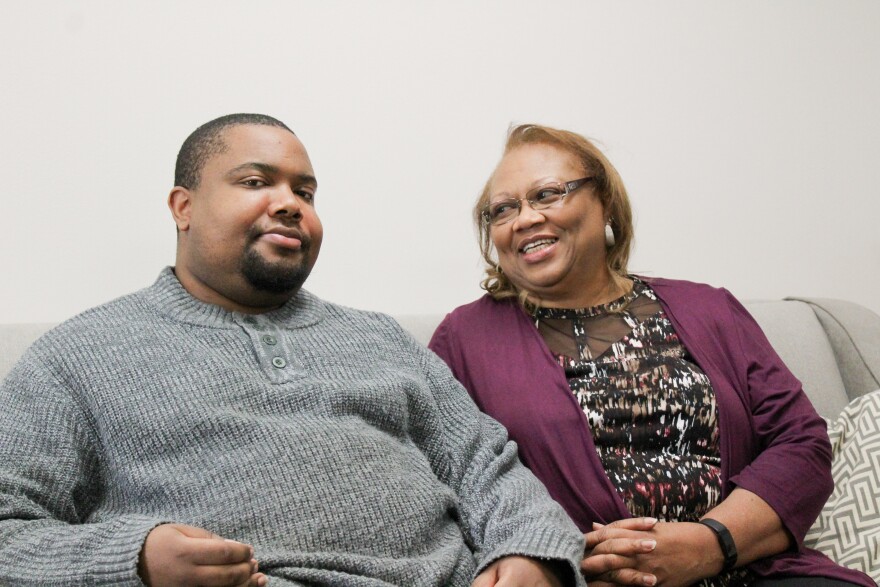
(245, 302)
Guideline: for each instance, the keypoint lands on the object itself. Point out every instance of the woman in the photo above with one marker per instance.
(635, 399)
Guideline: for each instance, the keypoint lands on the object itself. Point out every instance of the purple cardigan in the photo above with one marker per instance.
(772, 441)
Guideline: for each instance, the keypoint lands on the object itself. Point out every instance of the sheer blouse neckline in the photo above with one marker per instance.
(614, 306)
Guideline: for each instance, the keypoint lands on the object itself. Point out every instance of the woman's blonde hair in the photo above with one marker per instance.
(608, 187)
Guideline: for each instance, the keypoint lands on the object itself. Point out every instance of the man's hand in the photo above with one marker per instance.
(177, 555)
(517, 571)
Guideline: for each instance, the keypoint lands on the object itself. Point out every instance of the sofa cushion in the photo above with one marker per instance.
(848, 529)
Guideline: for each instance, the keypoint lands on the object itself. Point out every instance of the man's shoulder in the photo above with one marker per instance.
(126, 313)
(345, 317)
(364, 329)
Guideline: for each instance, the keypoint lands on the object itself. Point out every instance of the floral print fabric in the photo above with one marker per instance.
(651, 409)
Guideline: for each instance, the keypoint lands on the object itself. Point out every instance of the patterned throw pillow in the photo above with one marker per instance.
(848, 529)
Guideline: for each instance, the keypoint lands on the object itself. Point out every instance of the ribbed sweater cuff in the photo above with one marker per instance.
(545, 544)
(118, 549)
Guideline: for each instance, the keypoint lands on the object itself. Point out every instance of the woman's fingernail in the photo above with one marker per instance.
(651, 520)
(649, 580)
(648, 544)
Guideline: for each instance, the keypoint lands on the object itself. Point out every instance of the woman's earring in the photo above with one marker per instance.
(609, 235)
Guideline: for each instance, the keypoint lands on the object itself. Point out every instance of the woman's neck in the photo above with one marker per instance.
(605, 288)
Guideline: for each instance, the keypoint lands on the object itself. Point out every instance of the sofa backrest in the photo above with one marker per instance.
(799, 339)
(832, 346)
(854, 333)
(14, 340)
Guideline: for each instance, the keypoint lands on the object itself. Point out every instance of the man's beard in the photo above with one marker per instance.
(276, 278)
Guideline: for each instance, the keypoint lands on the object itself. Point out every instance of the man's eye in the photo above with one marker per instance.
(254, 182)
(307, 196)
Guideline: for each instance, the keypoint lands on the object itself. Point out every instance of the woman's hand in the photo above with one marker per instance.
(612, 551)
(642, 551)
(621, 553)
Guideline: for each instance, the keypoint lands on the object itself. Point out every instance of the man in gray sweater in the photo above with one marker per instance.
(223, 415)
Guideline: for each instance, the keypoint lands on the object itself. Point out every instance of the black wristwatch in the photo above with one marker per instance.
(728, 546)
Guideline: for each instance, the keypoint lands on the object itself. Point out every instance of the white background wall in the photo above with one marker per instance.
(747, 132)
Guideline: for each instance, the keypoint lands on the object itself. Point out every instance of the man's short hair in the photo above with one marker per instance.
(207, 141)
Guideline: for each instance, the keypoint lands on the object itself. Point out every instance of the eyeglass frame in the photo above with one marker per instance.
(568, 186)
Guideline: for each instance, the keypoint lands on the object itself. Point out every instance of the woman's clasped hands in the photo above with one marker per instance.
(643, 551)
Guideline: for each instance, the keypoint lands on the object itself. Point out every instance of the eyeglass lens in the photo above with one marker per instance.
(539, 198)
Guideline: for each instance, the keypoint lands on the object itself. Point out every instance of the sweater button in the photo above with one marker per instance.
(279, 362)
(269, 339)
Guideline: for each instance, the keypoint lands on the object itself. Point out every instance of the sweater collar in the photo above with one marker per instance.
(174, 302)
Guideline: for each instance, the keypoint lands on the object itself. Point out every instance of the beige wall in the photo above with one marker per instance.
(748, 134)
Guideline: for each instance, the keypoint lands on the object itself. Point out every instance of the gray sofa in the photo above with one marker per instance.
(833, 346)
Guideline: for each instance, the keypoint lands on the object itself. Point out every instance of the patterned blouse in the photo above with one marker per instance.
(651, 409)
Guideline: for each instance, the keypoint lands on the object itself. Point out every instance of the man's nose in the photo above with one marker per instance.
(284, 202)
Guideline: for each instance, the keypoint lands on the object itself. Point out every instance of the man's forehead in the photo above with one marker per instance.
(248, 135)
(254, 145)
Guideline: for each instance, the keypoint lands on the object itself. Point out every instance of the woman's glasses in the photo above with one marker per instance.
(540, 198)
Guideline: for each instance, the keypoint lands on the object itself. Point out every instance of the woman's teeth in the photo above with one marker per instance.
(537, 245)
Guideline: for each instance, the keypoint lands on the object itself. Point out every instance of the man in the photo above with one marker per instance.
(223, 414)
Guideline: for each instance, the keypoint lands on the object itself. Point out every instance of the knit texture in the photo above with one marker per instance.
(326, 437)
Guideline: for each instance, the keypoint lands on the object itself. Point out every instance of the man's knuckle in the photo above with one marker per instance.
(234, 575)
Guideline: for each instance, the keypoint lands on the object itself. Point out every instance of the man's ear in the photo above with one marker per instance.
(180, 204)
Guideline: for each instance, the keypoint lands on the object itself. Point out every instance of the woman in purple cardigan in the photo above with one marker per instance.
(654, 410)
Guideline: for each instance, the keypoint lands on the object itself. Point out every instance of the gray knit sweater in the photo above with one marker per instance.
(326, 437)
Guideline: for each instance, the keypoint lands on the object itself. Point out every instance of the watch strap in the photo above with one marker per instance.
(725, 540)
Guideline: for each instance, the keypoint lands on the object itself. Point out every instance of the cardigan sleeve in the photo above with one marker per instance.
(48, 479)
(792, 468)
(444, 347)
